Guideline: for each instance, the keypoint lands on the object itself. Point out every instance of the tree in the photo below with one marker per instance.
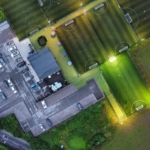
(2, 16)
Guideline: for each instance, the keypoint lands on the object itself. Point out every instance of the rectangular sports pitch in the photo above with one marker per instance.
(125, 83)
(111, 27)
(139, 11)
(57, 9)
(81, 44)
(23, 16)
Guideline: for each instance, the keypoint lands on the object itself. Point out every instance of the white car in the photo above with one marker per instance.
(13, 89)
(9, 82)
(42, 127)
(43, 104)
(12, 48)
(1, 65)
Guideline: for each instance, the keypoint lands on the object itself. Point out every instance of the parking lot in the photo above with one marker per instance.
(17, 90)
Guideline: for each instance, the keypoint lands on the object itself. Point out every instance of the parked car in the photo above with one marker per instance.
(6, 84)
(35, 87)
(21, 64)
(79, 106)
(18, 60)
(31, 52)
(13, 89)
(2, 95)
(9, 82)
(24, 70)
(14, 53)
(10, 49)
(42, 127)
(2, 61)
(1, 66)
(43, 104)
(49, 122)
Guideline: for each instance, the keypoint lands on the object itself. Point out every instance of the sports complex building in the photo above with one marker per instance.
(94, 35)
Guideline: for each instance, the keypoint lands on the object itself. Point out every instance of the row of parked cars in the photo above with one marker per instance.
(2, 62)
(20, 63)
(7, 84)
(22, 67)
(49, 123)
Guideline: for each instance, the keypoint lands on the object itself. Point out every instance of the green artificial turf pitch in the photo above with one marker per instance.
(111, 27)
(58, 9)
(24, 16)
(139, 11)
(125, 83)
(81, 44)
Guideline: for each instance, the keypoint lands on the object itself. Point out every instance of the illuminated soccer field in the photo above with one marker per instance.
(125, 83)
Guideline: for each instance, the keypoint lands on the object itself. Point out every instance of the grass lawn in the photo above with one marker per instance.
(125, 83)
(24, 16)
(58, 9)
(133, 134)
(75, 133)
(139, 11)
(111, 27)
(81, 44)
(141, 57)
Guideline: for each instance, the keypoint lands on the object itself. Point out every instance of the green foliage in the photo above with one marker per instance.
(39, 144)
(73, 133)
(76, 143)
(2, 16)
(96, 141)
(11, 126)
(2, 147)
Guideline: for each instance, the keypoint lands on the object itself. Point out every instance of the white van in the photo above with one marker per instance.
(43, 104)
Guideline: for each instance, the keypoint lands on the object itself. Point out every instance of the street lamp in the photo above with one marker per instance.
(112, 58)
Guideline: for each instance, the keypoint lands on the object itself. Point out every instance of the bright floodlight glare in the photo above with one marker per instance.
(112, 58)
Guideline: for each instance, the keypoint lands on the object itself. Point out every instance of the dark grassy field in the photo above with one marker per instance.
(126, 83)
(81, 44)
(111, 27)
(24, 16)
(141, 57)
(139, 11)
(58, 9)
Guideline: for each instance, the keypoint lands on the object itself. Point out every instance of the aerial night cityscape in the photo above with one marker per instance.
(74, 74)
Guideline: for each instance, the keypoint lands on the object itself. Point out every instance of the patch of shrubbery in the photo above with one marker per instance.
(95, 141)
(2, 16)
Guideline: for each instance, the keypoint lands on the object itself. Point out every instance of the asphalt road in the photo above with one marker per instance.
(12, 142)
(24, 93)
